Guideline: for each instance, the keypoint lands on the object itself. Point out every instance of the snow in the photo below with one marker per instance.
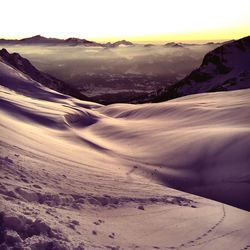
(79, 175)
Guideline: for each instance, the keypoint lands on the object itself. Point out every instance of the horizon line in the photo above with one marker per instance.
(114, 39)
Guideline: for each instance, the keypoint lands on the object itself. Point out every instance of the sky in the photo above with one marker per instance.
(135, 20)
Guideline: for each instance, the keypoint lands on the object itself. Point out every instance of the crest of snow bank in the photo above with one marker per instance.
(199, 143)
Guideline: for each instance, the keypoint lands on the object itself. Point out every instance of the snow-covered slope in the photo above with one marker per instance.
(225, 68)
(79, 175)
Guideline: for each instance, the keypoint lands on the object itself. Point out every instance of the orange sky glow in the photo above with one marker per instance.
(135, 20)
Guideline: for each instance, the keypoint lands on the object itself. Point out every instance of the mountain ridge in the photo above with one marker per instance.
(224, 68)
(71, 41)
(74, 41)
(22, 64)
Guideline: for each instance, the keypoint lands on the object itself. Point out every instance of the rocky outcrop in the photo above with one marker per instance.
(225, 68)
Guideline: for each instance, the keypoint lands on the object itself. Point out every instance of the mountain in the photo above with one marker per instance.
(8, 41)
(173, 45)
(148, 45)
(225, 68)
(41, 40)
(72, 41)
(118, 44)
(182, 45)
(76, 41)
(24, 65)
(33, 40)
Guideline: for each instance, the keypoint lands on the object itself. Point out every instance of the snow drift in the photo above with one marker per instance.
(73, 172)
(199, 144)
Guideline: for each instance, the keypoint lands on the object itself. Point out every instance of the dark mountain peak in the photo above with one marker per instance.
(125, 42)
(16, 61)
(78, 41)
(173, 45)
(22, 64)
(148, 45)
(74, 39)
(3, 52)
(37, 38)
(121, 42)
(219, 56)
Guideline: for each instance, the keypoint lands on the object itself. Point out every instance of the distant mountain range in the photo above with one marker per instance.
(41, 40)
(225, 68)
(174, 45)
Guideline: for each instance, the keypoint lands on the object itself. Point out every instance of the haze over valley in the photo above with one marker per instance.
(112, 73)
